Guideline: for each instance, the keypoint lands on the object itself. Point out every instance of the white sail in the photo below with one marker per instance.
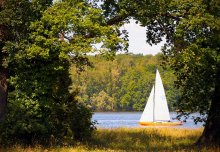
(156, 108)
(147, 115)
(161, 108)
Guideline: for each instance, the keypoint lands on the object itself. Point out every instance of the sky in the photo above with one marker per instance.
(137, 40)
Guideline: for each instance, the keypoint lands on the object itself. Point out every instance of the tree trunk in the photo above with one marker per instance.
(211, 133)
(3, 91)
(4, 36)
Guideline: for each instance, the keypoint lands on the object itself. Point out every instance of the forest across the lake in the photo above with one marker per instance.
(122, 84)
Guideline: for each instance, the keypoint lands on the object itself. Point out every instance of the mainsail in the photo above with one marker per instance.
(161, 111)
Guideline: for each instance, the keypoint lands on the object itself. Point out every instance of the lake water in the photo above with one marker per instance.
(130, 119)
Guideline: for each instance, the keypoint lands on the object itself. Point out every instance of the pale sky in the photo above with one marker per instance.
(137, 40)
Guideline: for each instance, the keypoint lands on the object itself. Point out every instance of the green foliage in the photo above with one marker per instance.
(198, 62)
(102, 102)
(122, 84)
(41, 109)
(31, 122)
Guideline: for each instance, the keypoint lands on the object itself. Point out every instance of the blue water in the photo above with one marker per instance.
(130, 119)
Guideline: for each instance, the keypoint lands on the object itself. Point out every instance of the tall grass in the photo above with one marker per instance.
(131, 140)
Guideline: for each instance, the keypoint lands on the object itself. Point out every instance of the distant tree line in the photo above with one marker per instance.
(123, 84)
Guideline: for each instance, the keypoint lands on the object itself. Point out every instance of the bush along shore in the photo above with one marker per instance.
(130, 139)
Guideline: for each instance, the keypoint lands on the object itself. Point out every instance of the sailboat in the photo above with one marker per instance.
(156, 112)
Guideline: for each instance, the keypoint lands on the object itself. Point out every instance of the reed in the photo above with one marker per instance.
(131, 139)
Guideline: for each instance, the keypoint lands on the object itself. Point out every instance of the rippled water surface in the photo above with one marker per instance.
(130, 119)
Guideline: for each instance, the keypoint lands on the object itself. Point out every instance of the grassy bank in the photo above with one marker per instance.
(135, 139)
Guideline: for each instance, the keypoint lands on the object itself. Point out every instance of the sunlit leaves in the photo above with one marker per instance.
(75, 27)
